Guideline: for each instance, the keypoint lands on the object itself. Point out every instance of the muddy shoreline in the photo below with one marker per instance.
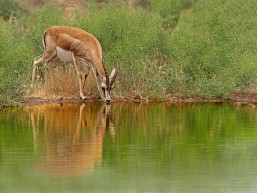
(238, 98)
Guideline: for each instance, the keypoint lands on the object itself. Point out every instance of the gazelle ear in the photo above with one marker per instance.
(113, 73)
(113, 76)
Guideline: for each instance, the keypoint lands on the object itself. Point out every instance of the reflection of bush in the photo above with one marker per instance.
(184, 131)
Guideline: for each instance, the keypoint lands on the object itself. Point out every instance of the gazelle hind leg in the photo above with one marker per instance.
(36, 61)
(44, 57)
(51, 62)
(49, 67)
(87, 70)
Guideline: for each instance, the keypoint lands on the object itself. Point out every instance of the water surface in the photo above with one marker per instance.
(128, 147)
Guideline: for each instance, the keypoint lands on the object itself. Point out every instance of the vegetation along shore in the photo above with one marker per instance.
(168, 50)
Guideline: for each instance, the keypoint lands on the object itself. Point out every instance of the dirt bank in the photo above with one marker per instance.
(235, 98)
(244, 97)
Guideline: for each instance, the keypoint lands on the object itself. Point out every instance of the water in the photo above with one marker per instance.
(128, 148)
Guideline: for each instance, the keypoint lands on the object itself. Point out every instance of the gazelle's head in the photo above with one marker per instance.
(105, 83)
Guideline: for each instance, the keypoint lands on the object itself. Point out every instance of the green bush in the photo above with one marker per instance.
(210, 51)
(169, 9)
(9, 8)
(38, 21)
(214, 45)
(15, 63)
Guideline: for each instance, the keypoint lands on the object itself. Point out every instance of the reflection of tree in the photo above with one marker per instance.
(71, 137)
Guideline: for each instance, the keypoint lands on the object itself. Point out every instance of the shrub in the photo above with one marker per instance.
(15, 62)
(9, 8)
(215, 45)
(38, 21)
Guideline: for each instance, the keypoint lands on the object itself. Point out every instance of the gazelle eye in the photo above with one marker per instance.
(109, 89)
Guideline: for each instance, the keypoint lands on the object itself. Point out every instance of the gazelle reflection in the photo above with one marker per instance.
(71, 136)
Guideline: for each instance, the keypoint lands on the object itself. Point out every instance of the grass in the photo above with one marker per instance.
(62, 82)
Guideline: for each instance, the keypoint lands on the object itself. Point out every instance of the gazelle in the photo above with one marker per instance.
(71, 44)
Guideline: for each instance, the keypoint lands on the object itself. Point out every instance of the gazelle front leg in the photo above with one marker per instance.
(79, 73)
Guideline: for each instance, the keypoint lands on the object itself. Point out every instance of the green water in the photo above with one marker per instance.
(128, 148)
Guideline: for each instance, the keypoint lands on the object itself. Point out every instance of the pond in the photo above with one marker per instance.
(128, 147)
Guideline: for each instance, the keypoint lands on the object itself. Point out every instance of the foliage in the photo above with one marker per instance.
(169, 9)
(38, 21)
(9, 8)
(215, 45)
(15, 55)
(199, 48)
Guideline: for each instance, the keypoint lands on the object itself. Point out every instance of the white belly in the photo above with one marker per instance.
(64, 55)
